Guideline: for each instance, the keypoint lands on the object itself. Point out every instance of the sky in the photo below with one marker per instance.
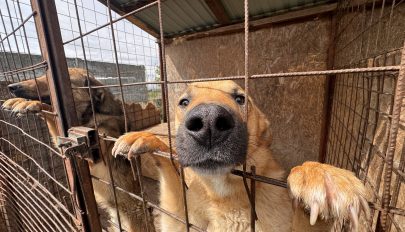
(134, 46)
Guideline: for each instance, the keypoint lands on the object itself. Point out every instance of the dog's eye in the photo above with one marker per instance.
(240, 99)
(184, 102)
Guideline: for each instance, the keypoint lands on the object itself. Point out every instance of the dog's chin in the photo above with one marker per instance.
(215, 170)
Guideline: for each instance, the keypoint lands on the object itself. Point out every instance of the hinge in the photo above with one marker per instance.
(81, 142)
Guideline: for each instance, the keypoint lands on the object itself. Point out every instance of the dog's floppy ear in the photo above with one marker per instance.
(98, 93)
(263, 132)
(264, 129)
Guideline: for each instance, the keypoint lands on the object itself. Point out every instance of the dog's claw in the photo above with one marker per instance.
(314, 213)
(135, 143)
(329, 192)
(354, 217)
(365, 207)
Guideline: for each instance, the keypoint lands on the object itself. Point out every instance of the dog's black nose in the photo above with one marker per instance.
(14, 87)
(209, 124)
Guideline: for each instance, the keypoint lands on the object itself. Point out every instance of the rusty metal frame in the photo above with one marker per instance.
(52, 50)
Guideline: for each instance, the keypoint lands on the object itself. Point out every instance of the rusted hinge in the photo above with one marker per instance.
(81, 142)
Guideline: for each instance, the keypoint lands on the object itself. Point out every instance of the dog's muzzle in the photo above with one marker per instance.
(18, 90)
(211, 137)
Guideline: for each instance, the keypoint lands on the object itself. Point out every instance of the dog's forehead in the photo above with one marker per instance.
(222, 86)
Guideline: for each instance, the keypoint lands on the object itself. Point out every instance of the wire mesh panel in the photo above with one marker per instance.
(120, 71)
(363, 121)
(36, 194)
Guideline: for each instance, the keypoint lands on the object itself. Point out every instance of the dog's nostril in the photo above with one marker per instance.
(13, 87)
(194, 124)
(224, 123)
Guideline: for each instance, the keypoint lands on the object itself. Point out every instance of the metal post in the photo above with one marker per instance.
(51, 44)
(392, 142)
(328, 94)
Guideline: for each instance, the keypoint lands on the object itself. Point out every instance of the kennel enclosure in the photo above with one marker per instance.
(329, 75)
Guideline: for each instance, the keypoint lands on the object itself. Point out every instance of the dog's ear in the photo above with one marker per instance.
(100, 95)
(264, 129)
(97, 93)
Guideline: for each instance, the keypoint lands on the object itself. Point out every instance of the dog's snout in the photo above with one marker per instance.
(209, 124)
(14, 87)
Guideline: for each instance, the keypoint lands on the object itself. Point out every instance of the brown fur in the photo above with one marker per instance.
(218, 202)
(110, 122)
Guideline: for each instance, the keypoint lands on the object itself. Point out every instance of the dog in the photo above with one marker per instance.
(108, 114)
(213, 138)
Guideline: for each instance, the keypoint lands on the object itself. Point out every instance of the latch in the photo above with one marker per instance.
(82, 142)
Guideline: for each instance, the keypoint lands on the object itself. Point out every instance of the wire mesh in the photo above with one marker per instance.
(35, 194)
(125, 61)
(362, 118)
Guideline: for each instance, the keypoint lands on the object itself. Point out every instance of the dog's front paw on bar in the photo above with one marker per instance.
(328, 192)
(136, 143)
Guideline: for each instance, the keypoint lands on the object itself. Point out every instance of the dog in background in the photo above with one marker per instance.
(212, 139)
(109, 117)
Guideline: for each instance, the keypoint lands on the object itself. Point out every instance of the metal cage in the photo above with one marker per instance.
(46, 187)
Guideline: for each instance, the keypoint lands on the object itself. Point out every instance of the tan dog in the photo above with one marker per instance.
(110, 122)
(212, 138)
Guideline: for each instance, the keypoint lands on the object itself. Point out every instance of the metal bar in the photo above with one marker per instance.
(328, 94)
(117, 66)
(258, 76)
(393, 133)
(253, 216)
(166, 96)
(137, 175)
(263, 179)
(163, 87)
(40, 65)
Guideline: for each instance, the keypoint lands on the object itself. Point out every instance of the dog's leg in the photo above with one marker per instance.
(331, 193)
(136, 143)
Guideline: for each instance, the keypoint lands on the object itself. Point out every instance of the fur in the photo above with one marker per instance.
(217, 200)
(108, 114)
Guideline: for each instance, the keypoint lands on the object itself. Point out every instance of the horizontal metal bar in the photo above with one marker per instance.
(39, 65)
(259, 76)
(19, 26)
(129, 84)
(263, 179)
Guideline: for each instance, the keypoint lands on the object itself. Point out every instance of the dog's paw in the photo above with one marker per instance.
(328, 192)
(10, 103)
(21, 106)
(136, 143)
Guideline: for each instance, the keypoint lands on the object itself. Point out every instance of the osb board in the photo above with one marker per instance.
(363, 35)
(293, 105)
